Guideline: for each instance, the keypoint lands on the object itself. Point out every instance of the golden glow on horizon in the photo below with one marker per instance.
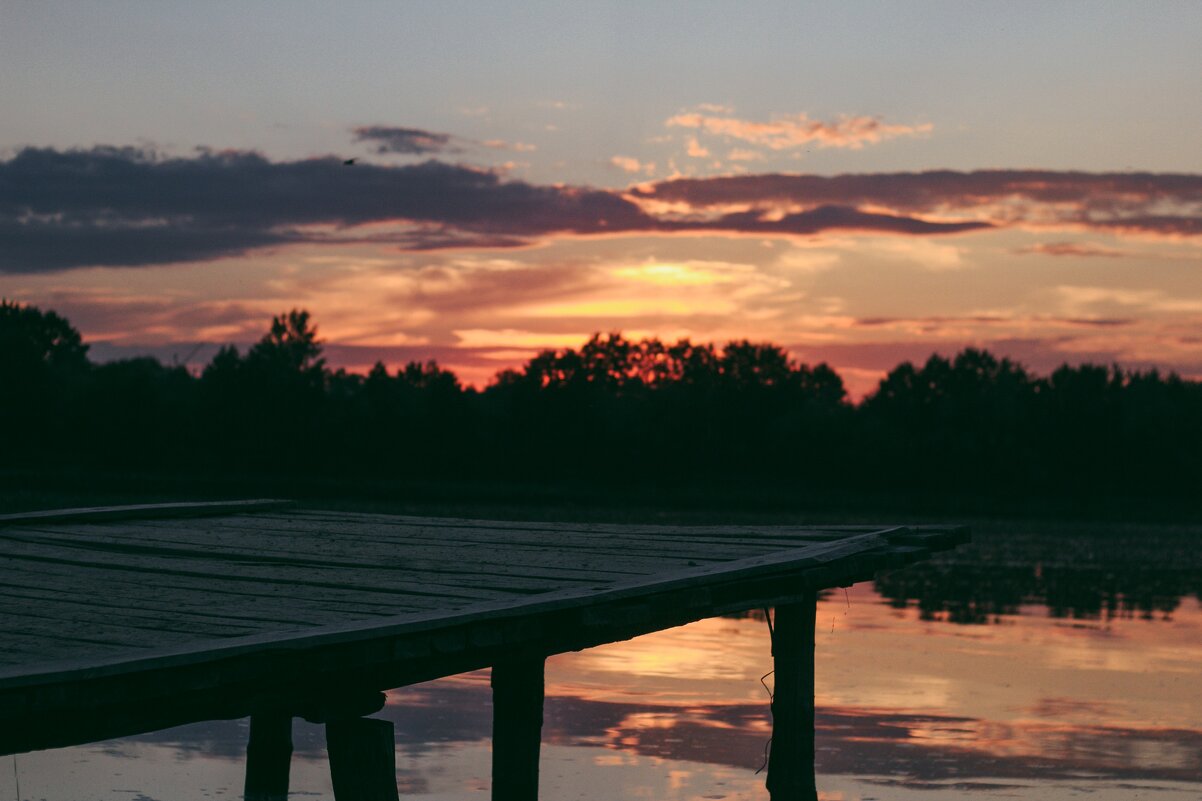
(861, 303)
(695, 274)
(623, 308)
(516, 338)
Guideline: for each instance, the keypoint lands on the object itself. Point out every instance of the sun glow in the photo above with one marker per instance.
(620, 308)
(678, 274)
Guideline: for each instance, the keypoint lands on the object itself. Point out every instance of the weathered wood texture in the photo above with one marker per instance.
(260, 607)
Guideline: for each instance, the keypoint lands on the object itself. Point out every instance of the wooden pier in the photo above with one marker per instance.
(123, 620)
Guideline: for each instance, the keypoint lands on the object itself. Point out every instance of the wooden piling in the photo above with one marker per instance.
(268, 757)
(517, 687)
(362, 755)
(791, 760)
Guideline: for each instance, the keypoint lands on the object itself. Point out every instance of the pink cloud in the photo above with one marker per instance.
(696, 149)
(631, 165)
(787, 132)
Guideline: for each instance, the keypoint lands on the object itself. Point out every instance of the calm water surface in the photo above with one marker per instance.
(1017, 669)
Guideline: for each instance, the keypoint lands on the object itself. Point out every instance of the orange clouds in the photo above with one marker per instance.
(631, 165)
(793, 131)
(696, 149)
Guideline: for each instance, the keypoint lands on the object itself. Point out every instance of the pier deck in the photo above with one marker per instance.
(119, 620)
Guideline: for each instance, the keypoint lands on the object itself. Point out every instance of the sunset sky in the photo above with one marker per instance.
(860, 182)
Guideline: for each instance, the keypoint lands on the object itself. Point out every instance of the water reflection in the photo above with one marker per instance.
(1076, 571)
(1088, 694)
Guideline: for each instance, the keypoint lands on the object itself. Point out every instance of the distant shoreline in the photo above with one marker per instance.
(680, 500)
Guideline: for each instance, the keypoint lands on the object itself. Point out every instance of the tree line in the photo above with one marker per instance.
(613, 410)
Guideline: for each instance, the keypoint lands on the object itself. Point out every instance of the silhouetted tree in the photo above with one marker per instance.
(266, 408)
(957, 422)
(289, 352)
(42, 360)
(612, 409)
(32, 340)
(136, 413)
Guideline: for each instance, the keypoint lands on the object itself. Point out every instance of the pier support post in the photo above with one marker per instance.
(517, 726)
(268, 757)
(362, 759)
(791, 761)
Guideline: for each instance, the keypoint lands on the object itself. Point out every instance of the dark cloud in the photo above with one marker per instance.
(39, 246)
(407, 141)
(110, 206)
(930, 190)
(1164, 224)
(825, 218)
(936, 322)
(1160, 203)
(932, 320)
(1082, 249)
(442, 239)
(123, 206)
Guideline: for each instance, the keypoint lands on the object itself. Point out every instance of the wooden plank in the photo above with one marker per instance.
(375, 580)
(575, 532)
(479, 561)
(743, 533)
(565, 526)
(199, 608)
(85, 635)
(209, 591)
(446, 537)
(392, 579)
(456, 574)
(145, 510)
(18, 603)
(18, 643)
(19, 598)
(334, 535)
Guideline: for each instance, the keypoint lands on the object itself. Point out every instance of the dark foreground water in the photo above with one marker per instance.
(1027, 666)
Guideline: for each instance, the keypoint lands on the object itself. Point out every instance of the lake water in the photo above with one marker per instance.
(1023, 667)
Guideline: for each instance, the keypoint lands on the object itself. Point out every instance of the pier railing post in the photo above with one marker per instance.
(517, 697)
(268, 757)
(791, 760)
